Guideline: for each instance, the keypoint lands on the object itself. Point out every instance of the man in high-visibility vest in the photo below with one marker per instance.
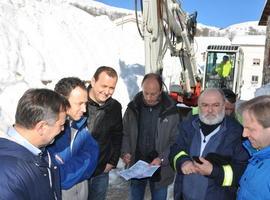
(208, 155)
(224, 68)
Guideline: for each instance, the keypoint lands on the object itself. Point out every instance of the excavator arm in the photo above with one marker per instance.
(166, 26)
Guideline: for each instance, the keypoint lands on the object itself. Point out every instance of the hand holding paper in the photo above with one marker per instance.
(140, 169)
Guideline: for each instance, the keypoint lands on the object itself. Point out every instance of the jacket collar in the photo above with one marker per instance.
(13, 135)
(258, 154)
(79, 124)
(13, 149)
(92, 102)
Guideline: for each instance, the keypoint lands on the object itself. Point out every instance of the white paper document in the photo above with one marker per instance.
(140, 169)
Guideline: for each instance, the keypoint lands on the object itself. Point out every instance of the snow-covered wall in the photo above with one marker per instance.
(42, 41)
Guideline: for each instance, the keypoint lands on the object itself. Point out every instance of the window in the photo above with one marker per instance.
(254, 79)
(256, 61)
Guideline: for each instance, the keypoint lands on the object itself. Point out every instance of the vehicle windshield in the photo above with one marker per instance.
(219, 70)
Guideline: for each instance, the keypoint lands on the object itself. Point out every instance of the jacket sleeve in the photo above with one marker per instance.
(126, 146)
(228, 174)
(12, 184)
(172, 130)
(116, 136)
(78, 166)
(179, 152)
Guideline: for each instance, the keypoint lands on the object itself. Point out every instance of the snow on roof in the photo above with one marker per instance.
(99, 5)
(256, 40)
(201, 43)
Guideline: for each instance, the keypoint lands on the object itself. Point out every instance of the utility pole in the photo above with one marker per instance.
(266, 63)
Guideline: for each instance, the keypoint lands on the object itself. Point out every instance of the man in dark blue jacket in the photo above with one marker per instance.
(75, 151)
(26, 170)
(208, 155)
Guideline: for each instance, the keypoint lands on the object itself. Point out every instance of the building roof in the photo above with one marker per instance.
(254, 40)
(265, 14)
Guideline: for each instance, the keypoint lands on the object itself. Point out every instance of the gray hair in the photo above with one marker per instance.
(39, 105)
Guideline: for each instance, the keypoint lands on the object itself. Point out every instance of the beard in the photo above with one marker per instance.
(212, 119)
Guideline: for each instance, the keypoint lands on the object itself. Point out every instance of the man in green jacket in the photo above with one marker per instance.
(224, 68)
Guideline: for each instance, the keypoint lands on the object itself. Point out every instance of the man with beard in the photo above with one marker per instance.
(208, 155)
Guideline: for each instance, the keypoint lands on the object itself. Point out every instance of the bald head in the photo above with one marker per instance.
(151, 88)
(212, 92)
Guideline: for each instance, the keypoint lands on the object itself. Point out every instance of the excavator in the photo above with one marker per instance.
(234, 79)
(166, 26)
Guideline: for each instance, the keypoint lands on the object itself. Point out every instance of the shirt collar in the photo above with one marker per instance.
(22, 141)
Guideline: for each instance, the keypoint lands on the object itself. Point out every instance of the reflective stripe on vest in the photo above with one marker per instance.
(181, 153)
(195, 110)
(228, 175)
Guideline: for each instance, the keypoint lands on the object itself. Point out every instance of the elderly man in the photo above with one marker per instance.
(208, 155)
(150, 127)
(26, 172)
(255, 182)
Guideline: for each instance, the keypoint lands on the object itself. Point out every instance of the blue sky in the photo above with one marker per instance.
(219, 13)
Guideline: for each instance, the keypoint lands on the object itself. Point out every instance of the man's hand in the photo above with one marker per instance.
(156, 161)
(205, 168)
(127, 158)
(108, 168)
(188, 167)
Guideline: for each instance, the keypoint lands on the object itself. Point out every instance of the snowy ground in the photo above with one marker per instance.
(118, 187)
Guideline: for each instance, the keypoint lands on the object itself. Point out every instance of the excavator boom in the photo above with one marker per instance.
(166, 26)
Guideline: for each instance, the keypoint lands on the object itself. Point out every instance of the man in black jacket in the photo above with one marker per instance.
(150, 128)
(105, 124)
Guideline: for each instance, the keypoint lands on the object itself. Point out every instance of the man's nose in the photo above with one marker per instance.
(245, 133)
(149, 98)
(107, 91)
(210, 108)
(83, 108)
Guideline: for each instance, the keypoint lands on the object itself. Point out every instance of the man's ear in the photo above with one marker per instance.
(93, 81)
(40, 127)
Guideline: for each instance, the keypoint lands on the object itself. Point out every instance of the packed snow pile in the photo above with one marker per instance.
(43, 41)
